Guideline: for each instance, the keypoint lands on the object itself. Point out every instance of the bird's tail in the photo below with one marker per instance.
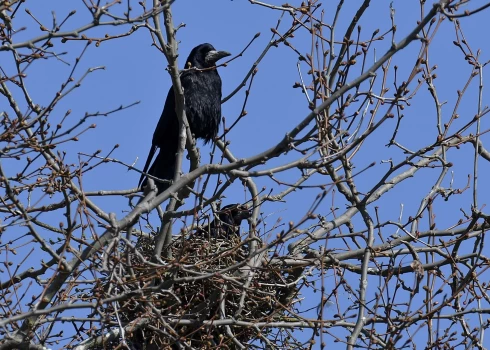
(147, 165)
(163, 168)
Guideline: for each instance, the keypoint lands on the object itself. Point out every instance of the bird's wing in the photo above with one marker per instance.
(167, 119)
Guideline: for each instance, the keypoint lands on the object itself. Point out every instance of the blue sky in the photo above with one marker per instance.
(135, 71)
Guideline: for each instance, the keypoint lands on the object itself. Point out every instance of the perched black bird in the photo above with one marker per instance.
(227, 221)
(202, 94)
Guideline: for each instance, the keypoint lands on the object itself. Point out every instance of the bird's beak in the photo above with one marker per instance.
(245, 212)
(213, 56)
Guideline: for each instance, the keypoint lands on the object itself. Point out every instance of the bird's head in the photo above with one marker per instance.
(228, 219)
(205, 56)
(233, 214)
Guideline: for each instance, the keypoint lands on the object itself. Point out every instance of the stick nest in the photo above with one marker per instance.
(206, 280)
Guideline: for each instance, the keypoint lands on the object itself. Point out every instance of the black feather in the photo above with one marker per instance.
(202, 94)
(227, 221)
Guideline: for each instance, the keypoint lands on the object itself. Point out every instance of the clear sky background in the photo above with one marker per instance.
(135, 71)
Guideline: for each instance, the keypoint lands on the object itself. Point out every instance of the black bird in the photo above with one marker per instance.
(202, 94)
(227, 221)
